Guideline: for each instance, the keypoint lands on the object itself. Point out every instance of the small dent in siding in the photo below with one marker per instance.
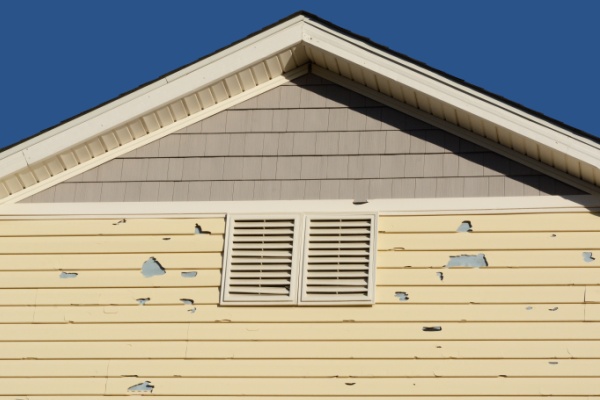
(189, 274)
(587, 256)
(68, 275)
(146, 386)
(152, 267)
(465, 226)
(143, 301)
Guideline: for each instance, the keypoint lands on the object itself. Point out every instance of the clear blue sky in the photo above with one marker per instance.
(59, 58)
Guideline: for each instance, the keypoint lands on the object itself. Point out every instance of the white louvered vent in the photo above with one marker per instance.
(338, 263)
(260, 260)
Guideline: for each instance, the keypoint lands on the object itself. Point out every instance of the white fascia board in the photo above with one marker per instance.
(489, 205)
(141, 101)
(451, 93)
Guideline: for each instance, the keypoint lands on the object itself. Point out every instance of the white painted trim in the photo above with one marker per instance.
(483, 205)
(452, 93)
(158, 134)
(456, 130)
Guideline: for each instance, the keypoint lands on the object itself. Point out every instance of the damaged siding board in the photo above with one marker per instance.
(539, 305)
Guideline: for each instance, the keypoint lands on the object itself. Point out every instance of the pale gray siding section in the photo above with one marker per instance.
(309, 139)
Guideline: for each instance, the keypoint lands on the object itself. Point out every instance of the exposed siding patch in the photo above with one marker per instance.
(466, 260)
(152, 267)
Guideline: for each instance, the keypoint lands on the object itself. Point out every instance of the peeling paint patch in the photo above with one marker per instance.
(198, 230)
(432, 328)
(68, 275)
(189, 274)
(587, 256)
(440, 275)
(402, 296)
(187, 301)
(146, 386)
(465, 226)
(468, 260)
(143, 301)
(152, 267)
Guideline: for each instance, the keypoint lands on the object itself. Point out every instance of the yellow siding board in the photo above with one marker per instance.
(153, 244)
(305, 386)
(401, 349)
(114, 226)
(489, 276)
(299, 368)
(37, 262)
(308, 331)
(489, 241)
(495, 258)
(381, 313)
(106, 279)
(544, 222)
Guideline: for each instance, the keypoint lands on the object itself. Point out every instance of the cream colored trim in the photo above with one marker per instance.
(456, 130)
(487, 205)
(160, 133)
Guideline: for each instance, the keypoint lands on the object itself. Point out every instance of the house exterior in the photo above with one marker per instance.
(303, 214)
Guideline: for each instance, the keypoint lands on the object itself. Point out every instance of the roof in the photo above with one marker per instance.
(282, 51)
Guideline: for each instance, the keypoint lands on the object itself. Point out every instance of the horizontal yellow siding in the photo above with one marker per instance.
(525, 327)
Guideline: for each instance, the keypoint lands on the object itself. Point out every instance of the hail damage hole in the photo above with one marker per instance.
(465, 226)
(143, 301)
(146, 386)
(440, 275)
(189, 274)
(198, 230)
(402, 296)
(468, 260)
(152, 267)
(68, 275)
(587, 256)
(120, 222)
(432, 328)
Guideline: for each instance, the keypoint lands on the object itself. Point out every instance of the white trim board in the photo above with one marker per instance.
(471, 205)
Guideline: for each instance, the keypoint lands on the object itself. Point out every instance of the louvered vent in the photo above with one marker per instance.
(338, 259)
(260, 260)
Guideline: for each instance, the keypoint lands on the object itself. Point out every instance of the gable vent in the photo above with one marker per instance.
(338, 259)
(260, 260)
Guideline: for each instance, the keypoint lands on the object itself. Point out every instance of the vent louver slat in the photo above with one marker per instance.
(338, 259)
(260, 260)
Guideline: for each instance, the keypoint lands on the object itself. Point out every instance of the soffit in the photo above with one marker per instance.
(267, 59)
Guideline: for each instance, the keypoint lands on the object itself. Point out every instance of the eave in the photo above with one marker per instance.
(265, 60)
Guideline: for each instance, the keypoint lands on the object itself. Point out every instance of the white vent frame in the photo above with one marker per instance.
(228, 253)
(297, 289)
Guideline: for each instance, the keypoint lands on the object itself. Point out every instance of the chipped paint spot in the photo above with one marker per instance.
(189, 274)
(553, 309)
(587, 256)
(198, 230)
(432, 328)
(143, 301)
(465, 226)
(440, 275)
(187, 301)
(402, 296)
(468, 260)
(146, 386)
(68, 275)
(152, 267)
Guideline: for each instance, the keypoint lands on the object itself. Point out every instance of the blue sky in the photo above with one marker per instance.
(60, 58)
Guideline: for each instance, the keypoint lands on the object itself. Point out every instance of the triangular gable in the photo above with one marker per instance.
(307, 139)
(268, 59)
